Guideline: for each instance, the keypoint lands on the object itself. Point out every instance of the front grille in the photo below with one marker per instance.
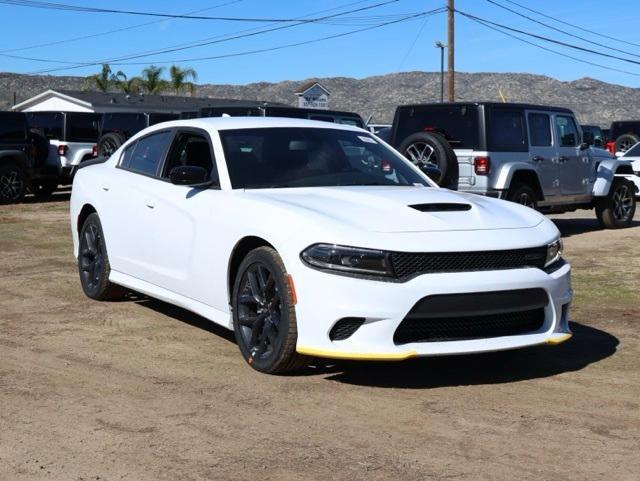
(344, 328)
(479, 315)
(469, 327)
(409, 264)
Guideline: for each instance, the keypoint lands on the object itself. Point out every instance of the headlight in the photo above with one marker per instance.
(554, 252)
(348, 259)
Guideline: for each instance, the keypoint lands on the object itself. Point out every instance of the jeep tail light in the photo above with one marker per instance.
(482, 165)
(62, 150)
(94, 151)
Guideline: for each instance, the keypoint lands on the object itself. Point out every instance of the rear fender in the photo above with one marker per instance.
(14, 156)
(502, 181)
(608, 170)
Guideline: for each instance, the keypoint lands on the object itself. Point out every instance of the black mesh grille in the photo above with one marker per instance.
(344, 328)
(407, 264)
(468, 327)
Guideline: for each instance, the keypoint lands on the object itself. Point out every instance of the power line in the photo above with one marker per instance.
(210, 41)
(296, 44)
(550, 40)
(560, 30)
(117, 30)
(573, 25)
(290, 45)
(413, 44)
(78, 8)
(562, 54)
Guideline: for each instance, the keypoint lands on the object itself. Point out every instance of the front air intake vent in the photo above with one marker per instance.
(441, 207)
(345, 327)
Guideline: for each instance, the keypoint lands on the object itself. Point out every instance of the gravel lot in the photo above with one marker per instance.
(140, 390)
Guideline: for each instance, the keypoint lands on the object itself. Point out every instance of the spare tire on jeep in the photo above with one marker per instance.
(625, 141)
(109, 143)
(432, 148)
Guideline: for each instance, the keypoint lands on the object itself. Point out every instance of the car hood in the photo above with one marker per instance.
(404, 209)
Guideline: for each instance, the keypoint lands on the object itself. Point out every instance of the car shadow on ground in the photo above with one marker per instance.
(571, 227)
(182, 315)
(588, 345)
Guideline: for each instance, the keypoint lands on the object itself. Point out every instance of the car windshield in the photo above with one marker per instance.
(312, 157)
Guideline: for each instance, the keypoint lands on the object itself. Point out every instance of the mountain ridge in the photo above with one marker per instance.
(594, 101)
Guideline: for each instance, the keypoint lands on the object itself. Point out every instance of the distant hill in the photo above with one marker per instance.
(594, 101)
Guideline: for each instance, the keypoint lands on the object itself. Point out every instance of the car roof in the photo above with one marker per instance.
(493, 104)
(230, 123)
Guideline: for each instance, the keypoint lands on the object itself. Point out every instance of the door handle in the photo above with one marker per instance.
(150, 205)
(537, 158)
(105, 188)
(562, 159)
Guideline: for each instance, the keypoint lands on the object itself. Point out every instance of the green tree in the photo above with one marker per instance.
(179, 79)
(130, 86)
(104, 80)
(152, 80)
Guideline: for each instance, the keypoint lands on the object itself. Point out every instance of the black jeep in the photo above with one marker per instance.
(23, 160)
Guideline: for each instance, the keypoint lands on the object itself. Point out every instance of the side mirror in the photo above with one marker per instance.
(433, 172)
(190, 175)
(584, 146)
(619, 154)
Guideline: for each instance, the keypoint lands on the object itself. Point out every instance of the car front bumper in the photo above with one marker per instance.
(324, 298)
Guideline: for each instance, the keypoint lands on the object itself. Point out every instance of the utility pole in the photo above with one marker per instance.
(450, 52)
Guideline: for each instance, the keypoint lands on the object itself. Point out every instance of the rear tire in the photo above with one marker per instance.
(264, 315)
(109, 143)
(93, 263)
(524, 195)
(617, 209)
(13, 183)
(432, 148)
(625, 141)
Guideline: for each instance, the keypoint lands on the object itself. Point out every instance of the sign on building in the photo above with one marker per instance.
(313, 95)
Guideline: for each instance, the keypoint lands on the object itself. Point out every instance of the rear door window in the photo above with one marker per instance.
(459, 124)
(540, 130)
(506, 131)
(566, 131)
(82, 127)
(147, 154)
(50, 123)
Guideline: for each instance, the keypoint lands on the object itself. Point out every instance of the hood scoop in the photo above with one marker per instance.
(441, 207)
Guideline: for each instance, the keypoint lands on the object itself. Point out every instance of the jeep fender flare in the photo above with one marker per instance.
(505, 175)
(608, 169)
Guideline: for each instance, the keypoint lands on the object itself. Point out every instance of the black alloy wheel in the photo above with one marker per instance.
(264, 315)
(616, 210)
(93, 262)
(109, 143)
(623, 204)
(12, 184)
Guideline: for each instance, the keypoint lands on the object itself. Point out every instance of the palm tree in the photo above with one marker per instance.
(106, 78)
(152, 79)
(130, 86)
(179, 78)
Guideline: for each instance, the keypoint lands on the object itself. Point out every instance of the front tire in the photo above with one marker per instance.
(617, 209)
(524, 195)
(264, 316)
(93, 263)
(12, 183)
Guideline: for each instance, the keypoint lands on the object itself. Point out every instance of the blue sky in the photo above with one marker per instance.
(403, 46)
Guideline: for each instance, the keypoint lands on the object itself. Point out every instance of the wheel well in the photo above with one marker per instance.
(624, 169)
(527, 177)
(240, 251)
(86, 210)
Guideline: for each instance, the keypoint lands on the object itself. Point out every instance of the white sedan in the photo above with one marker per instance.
(632, 154)
(311, 239)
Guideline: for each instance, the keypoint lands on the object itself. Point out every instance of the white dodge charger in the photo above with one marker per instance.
(310, 239)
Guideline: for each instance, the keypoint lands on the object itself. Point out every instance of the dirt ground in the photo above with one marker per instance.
(140, 390)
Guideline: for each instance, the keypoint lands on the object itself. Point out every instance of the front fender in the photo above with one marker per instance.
(608, 169)
(502, 181)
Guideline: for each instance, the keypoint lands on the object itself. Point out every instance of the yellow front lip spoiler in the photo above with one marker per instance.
(392, 356)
